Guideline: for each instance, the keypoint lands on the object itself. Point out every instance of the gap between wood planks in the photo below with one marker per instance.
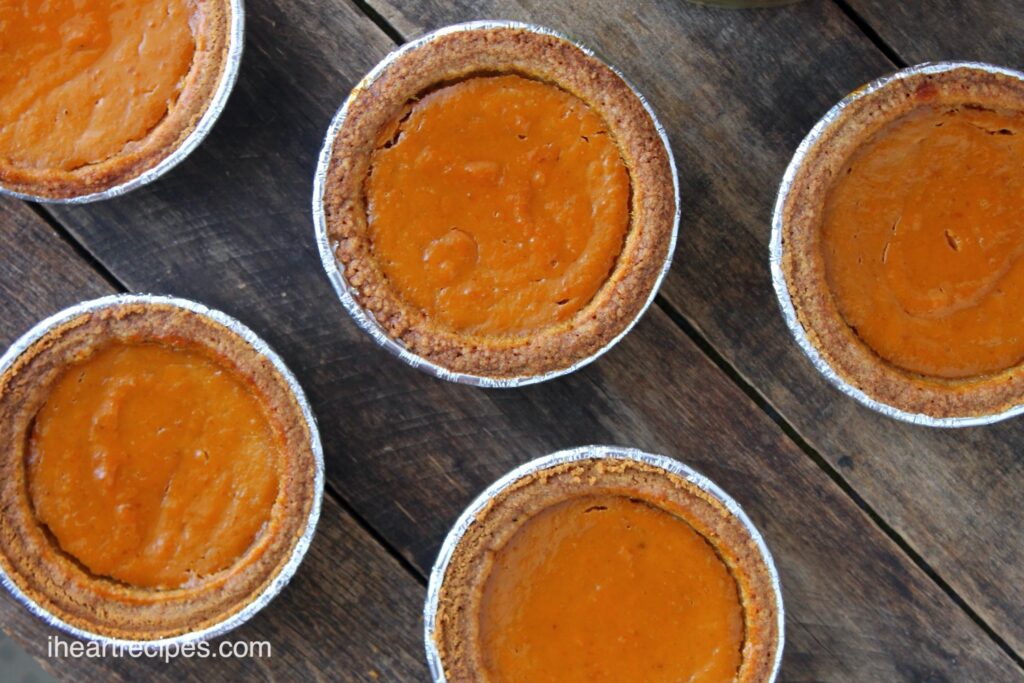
(872, 35)
(80, 249)
(759, 399)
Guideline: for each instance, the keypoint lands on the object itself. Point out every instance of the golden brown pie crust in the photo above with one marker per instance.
(101, 605)
(551, 59)
(457, 625)
(212, 33)
(803, 261)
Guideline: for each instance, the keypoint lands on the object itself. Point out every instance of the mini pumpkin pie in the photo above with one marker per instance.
(157, 471)
(903, 235)
(604, 569)
(95, 92)
(499, 201)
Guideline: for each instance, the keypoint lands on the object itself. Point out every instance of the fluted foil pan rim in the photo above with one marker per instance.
(301, 546)
(236, 42)
(365, 319)
(593, 452)
(777, 251)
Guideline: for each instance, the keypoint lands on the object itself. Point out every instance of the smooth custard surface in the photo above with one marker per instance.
(923, 237)
(80, 80)
(153, 465)
(498, 205)
(605, 588)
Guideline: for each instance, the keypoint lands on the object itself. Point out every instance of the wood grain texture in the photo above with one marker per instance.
(981, 30)
(351, 612)
(231, 227)
(40, 273)
(737, 91)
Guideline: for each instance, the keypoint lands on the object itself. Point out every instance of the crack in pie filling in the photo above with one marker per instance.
(499, 201)
(903, 236)
(157, 471)
(94, 92)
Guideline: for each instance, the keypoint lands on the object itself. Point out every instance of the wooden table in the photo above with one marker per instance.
(900, 548)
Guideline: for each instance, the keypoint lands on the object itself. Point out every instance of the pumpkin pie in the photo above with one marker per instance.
(903, 237)
(95, 92)
(156, 474)
(499, 201)
(606, 569)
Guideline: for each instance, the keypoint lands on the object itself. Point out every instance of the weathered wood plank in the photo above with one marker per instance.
(737, 92)
(351, 612)
(982, 30)
(231, 226)
(39, 272)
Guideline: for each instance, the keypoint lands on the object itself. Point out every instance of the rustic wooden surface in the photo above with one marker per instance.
(900, 548)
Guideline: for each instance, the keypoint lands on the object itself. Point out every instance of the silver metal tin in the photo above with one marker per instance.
(365, 319)
(236, 40)
(261, 347)
(777, 250)
(669, 465)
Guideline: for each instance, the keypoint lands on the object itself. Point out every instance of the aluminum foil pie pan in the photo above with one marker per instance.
(287, 570)
(236, 40)
(668, 465)
(777, 250)
(335, 272)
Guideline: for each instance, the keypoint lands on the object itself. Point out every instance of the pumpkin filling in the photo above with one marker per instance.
(923, 235)
(497, 205)
(153, 465)
(609, 588)
(80, 80)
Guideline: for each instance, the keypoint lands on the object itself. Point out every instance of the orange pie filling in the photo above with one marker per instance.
(923, 238)
(498, 205)
(609, 588)
(153, 465)
(81, 80)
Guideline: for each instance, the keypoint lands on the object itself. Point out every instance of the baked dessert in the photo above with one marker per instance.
(499, 201)
(95, 92)
(606, 569)
(156, 474)
(902, 236)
